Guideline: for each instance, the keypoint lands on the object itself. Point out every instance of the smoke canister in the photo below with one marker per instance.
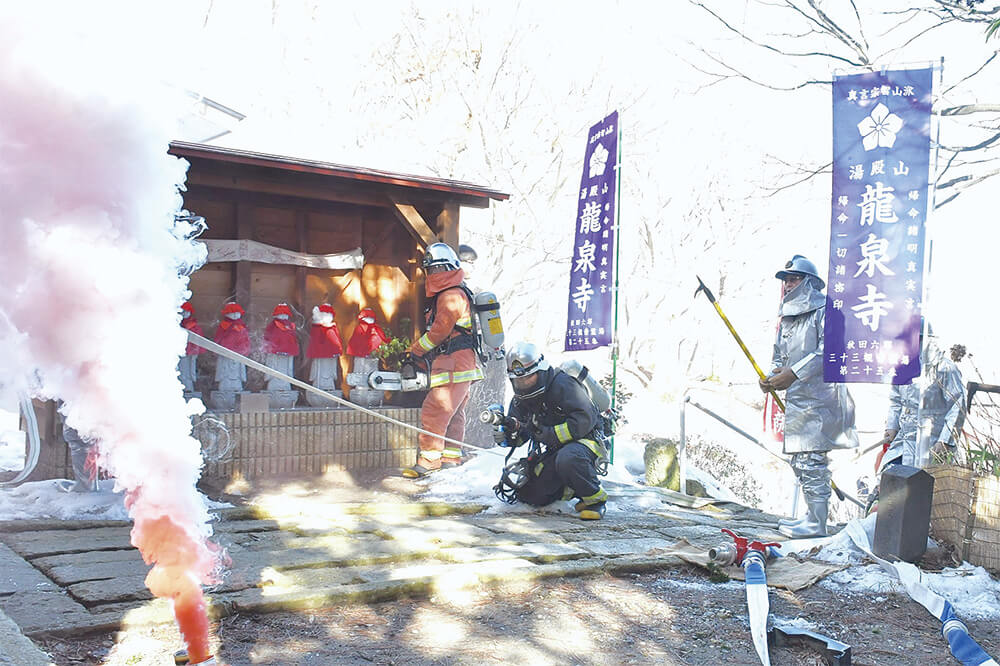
(598, 394)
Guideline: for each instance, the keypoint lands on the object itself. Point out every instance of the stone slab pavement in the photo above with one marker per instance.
(64, 578)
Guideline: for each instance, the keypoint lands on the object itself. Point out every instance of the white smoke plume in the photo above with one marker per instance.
(89, 283)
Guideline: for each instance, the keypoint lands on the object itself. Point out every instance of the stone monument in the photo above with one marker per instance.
(324, 350)
(281, 346)
(230, 376)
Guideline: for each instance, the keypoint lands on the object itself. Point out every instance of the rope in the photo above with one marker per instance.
(250, 363)
(672, 495)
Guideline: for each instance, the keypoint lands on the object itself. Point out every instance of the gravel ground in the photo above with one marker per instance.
(675, 616)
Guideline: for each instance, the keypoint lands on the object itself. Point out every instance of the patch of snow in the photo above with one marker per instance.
(45, 499)
(863, 579)
(474, 481)
(793, 623)
(970, 589)
(697, 585)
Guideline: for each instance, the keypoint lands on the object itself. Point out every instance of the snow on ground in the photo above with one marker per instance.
(474, 481)
(970, 589)
(45, 499)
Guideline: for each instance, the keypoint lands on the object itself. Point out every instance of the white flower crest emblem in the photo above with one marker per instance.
(879, 129)
(598, 161)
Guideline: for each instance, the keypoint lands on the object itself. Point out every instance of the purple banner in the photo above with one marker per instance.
(589, 324)
(881, 161)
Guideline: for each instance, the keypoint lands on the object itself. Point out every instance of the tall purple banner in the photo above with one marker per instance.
(881, 162)
(588, 324)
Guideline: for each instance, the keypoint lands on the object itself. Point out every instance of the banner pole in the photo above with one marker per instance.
(922, 456)
(618, 247)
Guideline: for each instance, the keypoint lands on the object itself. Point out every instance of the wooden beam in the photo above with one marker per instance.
(447, 225)
(414, 223)
(362, 194)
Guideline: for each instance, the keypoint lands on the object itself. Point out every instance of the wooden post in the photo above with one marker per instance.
(302, 231)
(244, 230)
(447, 225)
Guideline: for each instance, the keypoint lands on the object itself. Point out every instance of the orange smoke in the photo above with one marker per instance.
(182, 563)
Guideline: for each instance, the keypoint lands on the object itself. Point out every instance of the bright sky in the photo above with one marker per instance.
(301, 70)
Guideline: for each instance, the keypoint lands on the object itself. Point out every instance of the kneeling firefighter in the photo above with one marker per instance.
(449, 344)
(551, 408)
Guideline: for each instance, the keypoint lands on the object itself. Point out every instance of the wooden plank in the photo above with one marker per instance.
(414, 223)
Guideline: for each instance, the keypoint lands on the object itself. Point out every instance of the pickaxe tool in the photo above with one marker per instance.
(702, 287)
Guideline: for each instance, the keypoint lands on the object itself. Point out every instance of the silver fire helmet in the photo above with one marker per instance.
(802, 266)
(524, 359)
(441, 255)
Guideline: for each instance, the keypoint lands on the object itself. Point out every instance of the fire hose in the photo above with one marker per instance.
(752, 556)
(34, 444)
(963, 647)
(673, 496)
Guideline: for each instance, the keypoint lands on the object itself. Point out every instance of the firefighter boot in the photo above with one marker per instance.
(592, 511)
(814, 524)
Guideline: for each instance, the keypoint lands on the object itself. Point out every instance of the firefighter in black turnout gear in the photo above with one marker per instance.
(551, 409)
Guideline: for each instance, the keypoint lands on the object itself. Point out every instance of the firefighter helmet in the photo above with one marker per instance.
(525, 359)
(441, 255)
(801, 266)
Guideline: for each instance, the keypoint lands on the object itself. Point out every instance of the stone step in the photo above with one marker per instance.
(56, 542)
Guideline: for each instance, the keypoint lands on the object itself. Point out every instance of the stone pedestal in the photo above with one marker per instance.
(323, 375)
(361, 393)
(249, 403)
(283, 399)
(224, 401)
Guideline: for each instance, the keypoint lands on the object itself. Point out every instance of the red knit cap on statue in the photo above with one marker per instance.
(230, 308)
(326, 307)
(282, 308)
(186, 305)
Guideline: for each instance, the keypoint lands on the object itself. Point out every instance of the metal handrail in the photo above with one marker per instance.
(682, 451)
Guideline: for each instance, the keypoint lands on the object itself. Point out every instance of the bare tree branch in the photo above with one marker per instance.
(966, 78)
(967, 109)
(763, 45)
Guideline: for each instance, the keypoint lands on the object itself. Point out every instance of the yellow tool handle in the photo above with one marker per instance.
(739, 341)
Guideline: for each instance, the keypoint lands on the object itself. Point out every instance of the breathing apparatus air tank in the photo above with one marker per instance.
(598, 394)
(487, 309)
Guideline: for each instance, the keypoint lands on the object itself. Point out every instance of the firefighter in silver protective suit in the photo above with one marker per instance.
(941, 393)
(819, 416)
